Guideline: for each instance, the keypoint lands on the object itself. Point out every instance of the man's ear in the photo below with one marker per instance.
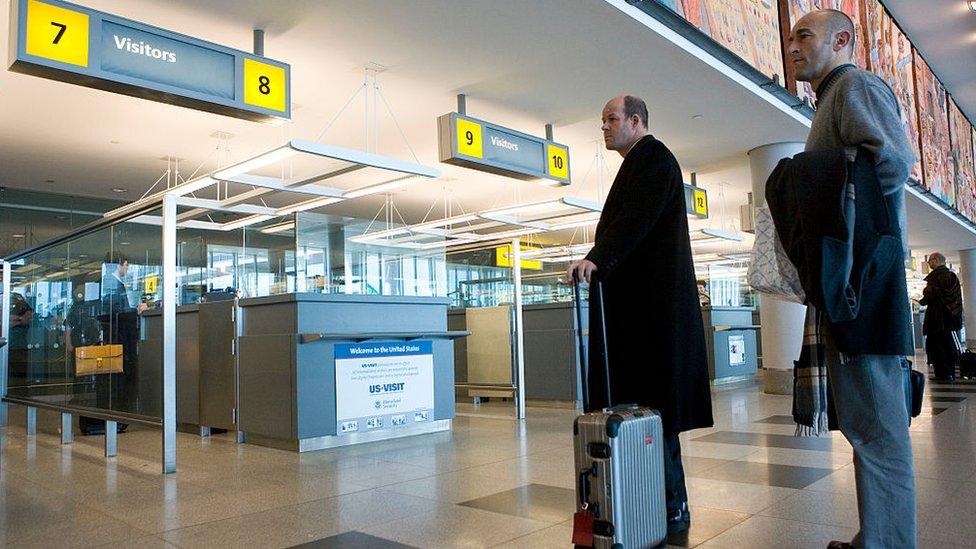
(841, 40)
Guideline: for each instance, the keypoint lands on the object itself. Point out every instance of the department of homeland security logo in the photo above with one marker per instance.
(377, 404)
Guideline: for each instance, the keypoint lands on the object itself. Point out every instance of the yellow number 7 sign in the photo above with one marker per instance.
(57, 33)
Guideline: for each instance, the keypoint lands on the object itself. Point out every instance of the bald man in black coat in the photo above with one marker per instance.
(642, 256)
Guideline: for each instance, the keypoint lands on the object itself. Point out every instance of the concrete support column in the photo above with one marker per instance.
(782, 321)
(967, 277)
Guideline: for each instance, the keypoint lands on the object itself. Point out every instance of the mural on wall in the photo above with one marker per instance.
(890, 57)
(933, 116)
(853, 8)
(961, 137)
(749, 28)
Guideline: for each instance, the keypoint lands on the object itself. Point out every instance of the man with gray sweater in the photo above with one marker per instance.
(856, 109)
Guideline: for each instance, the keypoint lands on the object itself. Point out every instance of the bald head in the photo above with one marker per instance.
(624, 122)
(836, 21)
(820, 42)
(936, 259)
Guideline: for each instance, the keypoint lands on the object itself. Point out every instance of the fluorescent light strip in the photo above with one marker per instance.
(379, 188)
(308, 205)
(281, 227)
(512, 210)
(255, 163)
(244, 222)
(574, 224)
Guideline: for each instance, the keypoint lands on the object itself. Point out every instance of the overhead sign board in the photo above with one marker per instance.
(383, 385)
(696, 201)
(473, 143)
(503, 257)
(74, 44)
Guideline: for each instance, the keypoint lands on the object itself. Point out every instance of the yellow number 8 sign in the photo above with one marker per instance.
(57, 33)
(265, 85)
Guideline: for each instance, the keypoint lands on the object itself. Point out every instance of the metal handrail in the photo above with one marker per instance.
(96, 413)
(495, 386)
(366, 336)
(88, 228)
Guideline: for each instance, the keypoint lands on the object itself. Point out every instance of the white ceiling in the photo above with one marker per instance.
(522, 64)
(945, 32)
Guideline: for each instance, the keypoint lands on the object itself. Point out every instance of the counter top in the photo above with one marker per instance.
(343, 298)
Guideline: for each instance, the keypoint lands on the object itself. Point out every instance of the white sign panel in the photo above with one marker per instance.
(737, 350)
(383, 385)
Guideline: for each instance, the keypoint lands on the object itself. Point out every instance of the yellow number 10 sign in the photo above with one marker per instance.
(57, 33)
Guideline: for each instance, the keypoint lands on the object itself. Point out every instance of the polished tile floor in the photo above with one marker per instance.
(491, 482)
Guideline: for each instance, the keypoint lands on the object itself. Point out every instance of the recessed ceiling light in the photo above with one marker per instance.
(119, 190)
(696, 117)
(972, 5)
(17, 235)
(124, 243)
(83, 256)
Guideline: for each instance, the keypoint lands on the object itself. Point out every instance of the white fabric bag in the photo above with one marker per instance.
(771, 271)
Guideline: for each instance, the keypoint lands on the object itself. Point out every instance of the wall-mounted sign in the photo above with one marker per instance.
(696, 201)
(383, 385)
(151, 284)
(70, 43)
(737, 350)
(503, 257)
(473, 143)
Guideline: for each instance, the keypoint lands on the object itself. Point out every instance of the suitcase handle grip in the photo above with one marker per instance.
(584, 484)
(596, 290)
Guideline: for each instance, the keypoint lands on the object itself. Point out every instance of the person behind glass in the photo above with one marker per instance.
(120, 325)
(857, 110)
(642, 256)
(21, 316)
(943, 317)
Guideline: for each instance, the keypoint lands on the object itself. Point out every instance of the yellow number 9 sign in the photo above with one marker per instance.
(57, 33)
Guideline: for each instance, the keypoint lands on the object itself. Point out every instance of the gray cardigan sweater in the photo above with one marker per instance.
(859, 110)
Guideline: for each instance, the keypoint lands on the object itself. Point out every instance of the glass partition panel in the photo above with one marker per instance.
(40, 296)
(329, 261)
(76, 321)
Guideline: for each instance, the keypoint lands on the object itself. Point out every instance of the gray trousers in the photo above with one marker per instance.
(869, 400)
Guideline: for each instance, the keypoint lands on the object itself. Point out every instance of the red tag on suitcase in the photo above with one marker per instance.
(583, 528)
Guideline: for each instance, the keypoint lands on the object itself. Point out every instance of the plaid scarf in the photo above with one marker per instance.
(810, 402)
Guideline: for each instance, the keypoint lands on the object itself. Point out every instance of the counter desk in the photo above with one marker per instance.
(325, 370)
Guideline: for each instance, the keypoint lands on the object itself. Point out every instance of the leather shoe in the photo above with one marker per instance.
(840, 545)
(679, 520)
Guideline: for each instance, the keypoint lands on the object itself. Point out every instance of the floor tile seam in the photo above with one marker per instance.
(269, 509)
(283, 508)
(97, 511)
(764, 514)
(499, 544)
(461, 469)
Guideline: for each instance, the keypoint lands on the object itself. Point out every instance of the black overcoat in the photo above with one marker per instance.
(655, 335)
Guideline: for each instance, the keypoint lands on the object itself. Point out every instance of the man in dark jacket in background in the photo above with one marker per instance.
(943, 317)
(642, 256)
(856, 109)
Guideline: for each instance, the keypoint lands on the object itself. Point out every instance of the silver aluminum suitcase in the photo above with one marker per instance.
(619, 464)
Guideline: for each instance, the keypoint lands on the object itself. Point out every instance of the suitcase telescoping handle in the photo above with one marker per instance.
(596, 291)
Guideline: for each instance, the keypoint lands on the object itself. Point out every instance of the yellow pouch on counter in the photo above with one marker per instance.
(98, 359)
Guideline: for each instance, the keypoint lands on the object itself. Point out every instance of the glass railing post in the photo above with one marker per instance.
(169, 298)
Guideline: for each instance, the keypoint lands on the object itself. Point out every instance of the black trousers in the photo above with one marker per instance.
(940, 347)
(674, 474)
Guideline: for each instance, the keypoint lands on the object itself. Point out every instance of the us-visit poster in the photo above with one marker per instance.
(890, 57)
(750, 28)
(960, 132)
(799, 8)
(938, 169)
